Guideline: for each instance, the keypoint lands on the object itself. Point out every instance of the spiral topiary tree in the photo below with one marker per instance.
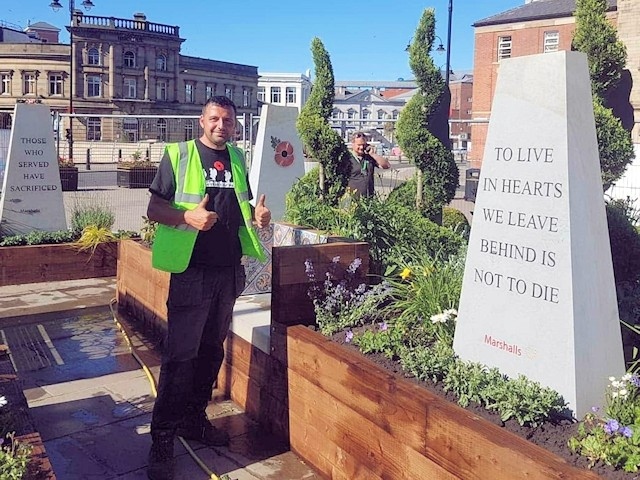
(320, 141)
(607, 56)
(437, 172)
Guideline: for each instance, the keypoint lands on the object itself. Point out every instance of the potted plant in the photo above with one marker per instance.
(68, 174)
(137, 172)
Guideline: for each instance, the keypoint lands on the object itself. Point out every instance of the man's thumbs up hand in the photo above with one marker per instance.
(200, 218)
(262, 214)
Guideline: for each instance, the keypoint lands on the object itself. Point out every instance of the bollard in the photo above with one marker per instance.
(88, 159)
(119, 154)
(148, 157)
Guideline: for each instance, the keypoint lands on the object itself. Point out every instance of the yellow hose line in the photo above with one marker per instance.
(154, 392)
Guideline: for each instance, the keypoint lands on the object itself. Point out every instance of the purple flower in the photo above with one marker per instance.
(611, 426)
(308, 267)
(595, 409)
(383, 326)
(625, 432)
(348, 336)
(635, 380)
(354, 265)
(335, 259)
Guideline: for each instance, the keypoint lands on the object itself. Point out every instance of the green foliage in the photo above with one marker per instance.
(148, 231)
(455, 220)
(91, 211)
(469, 380)
(319, 139)
(597, 37)
(519, 398)
(380, 338)
(614, 144)
(413, 130)
(427, 363)
(625, 242)
(613, 436)
(14, 458)
(38, 237)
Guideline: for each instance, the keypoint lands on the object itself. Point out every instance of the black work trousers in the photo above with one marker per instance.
(200, 305)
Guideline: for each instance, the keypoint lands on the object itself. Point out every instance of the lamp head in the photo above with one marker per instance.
(55, 5)
(87, 4)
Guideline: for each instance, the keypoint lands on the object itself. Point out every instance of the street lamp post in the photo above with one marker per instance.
(448, 64)
(56, 5)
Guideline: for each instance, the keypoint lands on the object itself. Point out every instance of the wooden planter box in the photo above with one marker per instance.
(343, 414)
(136, 177)
(48, 263)
(69, 178)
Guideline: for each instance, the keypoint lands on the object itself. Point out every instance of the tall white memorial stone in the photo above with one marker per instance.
(538, 295)
(277, 160)
(31, 192)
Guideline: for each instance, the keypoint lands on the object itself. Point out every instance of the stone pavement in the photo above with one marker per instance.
(92, 402)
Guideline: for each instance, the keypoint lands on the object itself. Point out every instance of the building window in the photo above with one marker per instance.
(55, 84)
(188, 130)
(261, 94)
(5, 84)
(246, 97)
(276, 95)
(29, 87)
(228, 91)
(129, 88)
(93, 129)
(130, 126)
(189, 94)
(162, 130)
(161, 63)
(210, 90)
(161, 90)
(394, 114)
(291, 94)
(504, 47)
(551, 41)
(129, 59)
(381, 115)
(94, 86)
(351, 114)
(335, 114)
(366, 114)
(93, 56)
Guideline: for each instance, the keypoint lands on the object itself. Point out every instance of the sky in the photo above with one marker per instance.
(366, 40)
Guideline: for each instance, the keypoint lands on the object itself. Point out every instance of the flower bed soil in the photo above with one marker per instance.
(550, 436)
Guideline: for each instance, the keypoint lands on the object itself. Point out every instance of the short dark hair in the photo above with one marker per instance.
(220, 101)
(359, 135)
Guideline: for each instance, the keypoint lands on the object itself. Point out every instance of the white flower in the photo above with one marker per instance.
(623, 392)
(614, 394)
(616, 384)
(3, 401)
(626, 377)
(450, 312)
(439, 318)
(612, 379)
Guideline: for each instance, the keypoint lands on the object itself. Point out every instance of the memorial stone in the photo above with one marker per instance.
(538, 295)
(31, 196)
(278, 161)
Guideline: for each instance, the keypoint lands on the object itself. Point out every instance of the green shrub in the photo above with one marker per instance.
(455, 220)
(90, 211)
(625, 242)
(38, 237)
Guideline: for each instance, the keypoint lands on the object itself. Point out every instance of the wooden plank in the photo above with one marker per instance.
(325, 457)
(46, 263)
(460, 442)
(363, 440)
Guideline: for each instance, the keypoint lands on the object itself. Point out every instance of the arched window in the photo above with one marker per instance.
(161, 63)
(129, 59)
(93, 56)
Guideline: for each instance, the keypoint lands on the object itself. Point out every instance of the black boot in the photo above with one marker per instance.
(161, 462)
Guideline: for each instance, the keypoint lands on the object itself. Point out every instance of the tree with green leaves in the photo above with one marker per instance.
(322, 142)
(437, 173)
(597, 38)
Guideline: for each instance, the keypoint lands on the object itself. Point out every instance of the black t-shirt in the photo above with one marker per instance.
(361, 178)
(219, 246)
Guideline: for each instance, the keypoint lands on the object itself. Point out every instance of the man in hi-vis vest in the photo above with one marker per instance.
(200, 198)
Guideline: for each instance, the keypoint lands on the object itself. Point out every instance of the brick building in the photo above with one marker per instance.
(541, 26)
